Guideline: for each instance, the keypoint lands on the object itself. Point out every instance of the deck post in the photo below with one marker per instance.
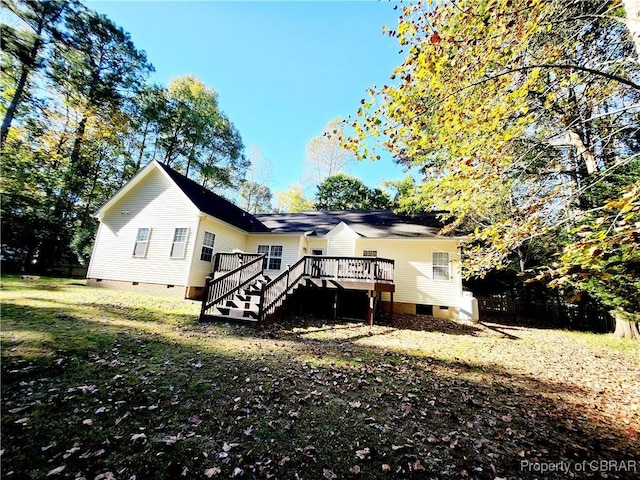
(335, 305)
(370, 310)
(284, 303)
(205, 298)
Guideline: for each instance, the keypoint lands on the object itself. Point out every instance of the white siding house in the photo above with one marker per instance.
(135, 238)
(161, 231)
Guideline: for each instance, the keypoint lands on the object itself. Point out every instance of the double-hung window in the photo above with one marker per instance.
(179, 245)
(273, 253)
(206, 254)
(142, 242)
(441, 266)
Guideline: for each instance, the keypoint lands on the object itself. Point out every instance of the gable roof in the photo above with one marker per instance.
(366, 223)
(204, 200)
(216, 206)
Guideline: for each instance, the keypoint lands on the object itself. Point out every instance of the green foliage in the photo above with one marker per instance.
(98, 383)
(23, 51)
(407, 198)
(183, 127)
(293, 200)
(604, 260)
(80, 120)
(519, 117)
(342, 192)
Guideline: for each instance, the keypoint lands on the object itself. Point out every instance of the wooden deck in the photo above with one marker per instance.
(349, 284)
(234, 270)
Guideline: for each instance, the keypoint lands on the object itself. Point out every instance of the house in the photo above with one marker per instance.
(164, 234)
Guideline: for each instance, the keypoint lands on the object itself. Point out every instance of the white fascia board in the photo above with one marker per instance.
(437, 238)
(277, 234)
(216, 219)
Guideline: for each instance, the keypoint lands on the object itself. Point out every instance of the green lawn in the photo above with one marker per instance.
(100, 384)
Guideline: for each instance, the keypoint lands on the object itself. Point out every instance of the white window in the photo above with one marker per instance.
(369, 253)
(273, 253)
(179, 245)
(207, 247)
(440, 266)
(142, 242)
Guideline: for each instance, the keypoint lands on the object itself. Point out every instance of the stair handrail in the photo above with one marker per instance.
(274, 293)
(225, 286)
(228, 261)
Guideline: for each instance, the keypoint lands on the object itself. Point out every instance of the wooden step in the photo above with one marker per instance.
(236, 312)
(225, 319)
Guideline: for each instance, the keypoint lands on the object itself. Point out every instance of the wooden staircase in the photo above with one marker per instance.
(244, 305)
(239, 292)
(245, 295)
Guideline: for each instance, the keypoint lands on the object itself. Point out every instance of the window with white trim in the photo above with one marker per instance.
(441, 268)
(369, 253)
(142, 242)
(273, 253)
(206, 254)
(179, 245)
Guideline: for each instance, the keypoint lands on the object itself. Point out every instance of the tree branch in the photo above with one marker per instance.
(565, 66)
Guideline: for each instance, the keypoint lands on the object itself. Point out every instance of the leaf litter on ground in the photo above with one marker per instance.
(166, 397)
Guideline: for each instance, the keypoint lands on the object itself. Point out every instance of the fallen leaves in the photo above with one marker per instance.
(212, 472)
(312, 402)
(328, 474)
(139, 436)
(363, 454)
(56, 471)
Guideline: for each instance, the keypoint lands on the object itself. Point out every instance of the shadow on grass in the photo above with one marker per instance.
(421, 323)
(517, 321)
(501, 330)
(425, 323)
(116, 397)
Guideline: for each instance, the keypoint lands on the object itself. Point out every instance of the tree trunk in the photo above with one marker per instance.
(522, 258)
(49, 15)
(626, 328)
(8, 117)
(77, 162)
(142, 146)
(78, 166)
(26, 69)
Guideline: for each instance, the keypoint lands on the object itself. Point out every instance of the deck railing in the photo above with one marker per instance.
(350, 268)
(225, 262)
(219, 289)
(274, 294)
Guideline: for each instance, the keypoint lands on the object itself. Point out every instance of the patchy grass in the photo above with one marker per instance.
(106, 384)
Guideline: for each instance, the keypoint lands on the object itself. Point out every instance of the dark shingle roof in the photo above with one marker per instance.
(367, 223)
(214, 205)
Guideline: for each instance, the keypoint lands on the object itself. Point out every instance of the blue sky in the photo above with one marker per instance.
(282, 69)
